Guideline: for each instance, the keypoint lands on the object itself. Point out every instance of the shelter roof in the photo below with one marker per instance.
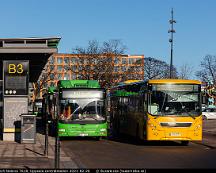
(35, 49)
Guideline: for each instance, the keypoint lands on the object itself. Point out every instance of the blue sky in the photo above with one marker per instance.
(141, 25)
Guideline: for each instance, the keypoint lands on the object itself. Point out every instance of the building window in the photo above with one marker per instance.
(133, 69)
(80, 68)
(124, 60)
(59, 60)
(66, 76)
(51, 67)
(51, 60)
(73, 68)
(59, 68)
(66, 60)
(45, 85)
(86, 61)
(87, 68)
(79, 76)
(131, 60)
(130, 76)
(52, 76)
(138, 61)
(73, 76)
(140, 69)
(74, 60)
(124, 69)
(59, 76)
(116, 69)
(116, 60)
(66, 67)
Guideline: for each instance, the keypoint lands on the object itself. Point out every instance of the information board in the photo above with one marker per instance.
(16, 77)
(175, 87)
(13, 108)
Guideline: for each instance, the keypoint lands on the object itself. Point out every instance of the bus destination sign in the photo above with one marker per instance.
(16, 77)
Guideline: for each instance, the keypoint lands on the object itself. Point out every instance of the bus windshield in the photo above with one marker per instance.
(82, 109)
(178, 100)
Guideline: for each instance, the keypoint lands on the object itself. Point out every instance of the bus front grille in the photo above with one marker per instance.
(176, 124)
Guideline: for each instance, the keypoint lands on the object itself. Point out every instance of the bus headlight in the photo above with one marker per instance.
(197, 127)
(102, 130)
(61, 130)
(153, 126)
(196, 130)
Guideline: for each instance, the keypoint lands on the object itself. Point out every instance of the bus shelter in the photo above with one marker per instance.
(22, 61)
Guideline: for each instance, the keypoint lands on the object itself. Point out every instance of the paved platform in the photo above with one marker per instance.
(209, 133)
(24, 156)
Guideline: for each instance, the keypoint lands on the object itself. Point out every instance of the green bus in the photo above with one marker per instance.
(79, 107)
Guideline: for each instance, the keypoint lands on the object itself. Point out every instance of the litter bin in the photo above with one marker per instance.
(28, 128)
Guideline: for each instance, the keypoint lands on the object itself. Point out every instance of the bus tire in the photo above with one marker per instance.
(98, 138)
(184, 143)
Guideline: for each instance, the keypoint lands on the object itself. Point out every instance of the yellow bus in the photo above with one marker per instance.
(162, 109)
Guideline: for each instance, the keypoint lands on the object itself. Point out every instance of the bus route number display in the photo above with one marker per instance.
(16, 77)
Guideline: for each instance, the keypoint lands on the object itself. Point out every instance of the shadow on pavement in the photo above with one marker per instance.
(125, 139)
(34, 152)
(79, 138)
(132, 140)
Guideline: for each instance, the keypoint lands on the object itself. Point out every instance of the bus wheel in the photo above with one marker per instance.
(184, 143)
(98, 138)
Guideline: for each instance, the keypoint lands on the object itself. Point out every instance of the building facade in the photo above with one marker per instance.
(70, 66)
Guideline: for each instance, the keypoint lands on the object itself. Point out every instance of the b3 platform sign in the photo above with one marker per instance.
(16, 77)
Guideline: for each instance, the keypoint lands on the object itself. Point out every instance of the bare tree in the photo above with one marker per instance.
(97, 62)
(185, 71)
(43, 80)
(157, 69)
(208, 70)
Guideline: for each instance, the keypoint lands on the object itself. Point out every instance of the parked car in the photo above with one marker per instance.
(209, 113)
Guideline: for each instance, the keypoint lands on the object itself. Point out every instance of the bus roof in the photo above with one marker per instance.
(130, 81)
(174, 81)
(157, 81)
(78, 84)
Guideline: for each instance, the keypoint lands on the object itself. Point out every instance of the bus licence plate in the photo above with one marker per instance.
(83, 134)
(175, 134)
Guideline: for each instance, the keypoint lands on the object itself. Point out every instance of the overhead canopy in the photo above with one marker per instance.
(36, 50)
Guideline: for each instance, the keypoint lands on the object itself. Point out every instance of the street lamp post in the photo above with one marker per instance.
(57, 147)
(46, 125)
(57, 139)
(171, 42)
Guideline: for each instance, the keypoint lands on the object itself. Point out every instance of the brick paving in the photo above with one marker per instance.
(24, 156)
(209, 133)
